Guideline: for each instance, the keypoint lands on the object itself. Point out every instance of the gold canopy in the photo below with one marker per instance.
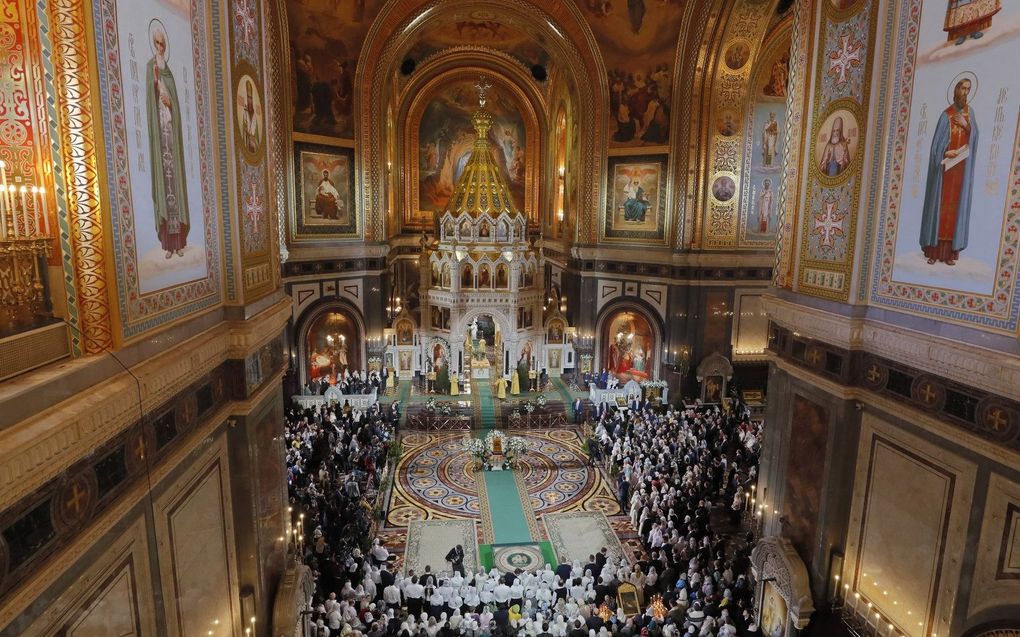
(481, 188)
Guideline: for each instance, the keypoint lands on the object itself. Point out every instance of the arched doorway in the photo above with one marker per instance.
(628, 344)
(333, 343)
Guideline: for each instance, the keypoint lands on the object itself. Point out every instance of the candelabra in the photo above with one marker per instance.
(679, 362)
(23, 212)
(394, 308)
(584, 342)
(24, 241)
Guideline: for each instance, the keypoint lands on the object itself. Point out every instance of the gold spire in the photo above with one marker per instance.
(481, 188)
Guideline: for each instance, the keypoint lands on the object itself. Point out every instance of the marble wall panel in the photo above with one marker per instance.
(197, 554)
(997, 566)
(908, 525)
(804, 474)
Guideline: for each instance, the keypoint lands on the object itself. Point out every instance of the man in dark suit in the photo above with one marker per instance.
(578, 411)
(456, 558)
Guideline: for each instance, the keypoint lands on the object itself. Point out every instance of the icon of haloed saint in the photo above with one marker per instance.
(327, 199)
(945, 217)
(166, 148)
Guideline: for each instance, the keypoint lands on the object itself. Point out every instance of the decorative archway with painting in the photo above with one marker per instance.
(629, 345)
(333, 344)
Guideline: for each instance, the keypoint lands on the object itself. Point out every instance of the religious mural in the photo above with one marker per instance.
(636, 200)
(332, 346)
(953, 204)
(324, 61)
(836, 143)
(638, 40)
(630, 346)
(405, 332)
(834, 147)
(248, 115)
(479, 27)
(773, 611)
(764, 153)
(446, 137)
(325, 190)
(163, 191)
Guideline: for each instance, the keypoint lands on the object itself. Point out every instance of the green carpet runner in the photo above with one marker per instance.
(403, 395)
(486, 406)
(506, 512)
(509, 526)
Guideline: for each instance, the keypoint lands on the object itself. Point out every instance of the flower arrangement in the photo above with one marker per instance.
(436, 407)
(542, 400)
(516, 447)
(529, 407)
(655, 384)
(474, 446)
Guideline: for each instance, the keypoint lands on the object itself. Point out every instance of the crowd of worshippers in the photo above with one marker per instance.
(348, 383)
(335, 458)
(674, 467)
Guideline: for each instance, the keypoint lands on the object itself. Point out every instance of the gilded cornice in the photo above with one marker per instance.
(968, 364)
(35, 450)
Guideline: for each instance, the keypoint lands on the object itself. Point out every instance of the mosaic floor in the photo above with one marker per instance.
(436, 480)
(520, 519)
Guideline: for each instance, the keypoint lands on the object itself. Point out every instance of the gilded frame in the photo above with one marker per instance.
(345, 231)
(660, 235)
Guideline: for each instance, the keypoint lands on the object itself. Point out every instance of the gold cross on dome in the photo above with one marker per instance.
(483, 86)
(927, 393)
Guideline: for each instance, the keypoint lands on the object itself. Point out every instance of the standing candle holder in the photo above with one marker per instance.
(24, 243)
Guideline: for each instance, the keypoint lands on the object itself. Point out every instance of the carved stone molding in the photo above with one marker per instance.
(41, 447)
(971, 365)
(775, 558)
(292, 599)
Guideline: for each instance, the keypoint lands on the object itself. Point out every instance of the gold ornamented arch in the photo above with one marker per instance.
(568, 37)
(731, 89)
(441, 70)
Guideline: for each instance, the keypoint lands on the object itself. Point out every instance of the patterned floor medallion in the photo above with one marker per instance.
(436, 480)
(527, 557)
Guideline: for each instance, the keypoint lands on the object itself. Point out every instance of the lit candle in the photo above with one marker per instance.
(36, 209)
(45, 212)
(857, 598)
(3, 199)
(14, 212)
(24, 210)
